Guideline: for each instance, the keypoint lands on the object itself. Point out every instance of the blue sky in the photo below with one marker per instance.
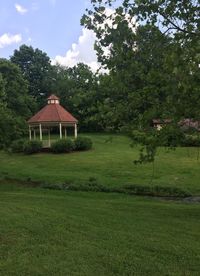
(50, 25)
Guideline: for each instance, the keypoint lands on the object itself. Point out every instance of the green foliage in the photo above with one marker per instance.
(92, 185)
(190, 141)
(170, 136)
(156, 191)
(78, 90)
(62, 146)
(16, 89)
(2, 92)
(31, 147)
(138, 137)
(178, 17)
(148, 142)
(37, 70)
(136, 88)
(15, 103)
(83, 143)
(12, 127)
(154, 71)
(17, 145)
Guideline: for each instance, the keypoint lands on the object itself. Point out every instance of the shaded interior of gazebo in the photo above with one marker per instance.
(51, 116)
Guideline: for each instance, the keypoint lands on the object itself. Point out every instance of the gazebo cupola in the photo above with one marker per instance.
(53, 100)
(53, 114)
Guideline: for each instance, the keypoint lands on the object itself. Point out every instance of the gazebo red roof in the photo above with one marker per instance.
(53, 112)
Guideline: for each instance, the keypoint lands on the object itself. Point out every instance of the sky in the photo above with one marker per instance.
(53, 26)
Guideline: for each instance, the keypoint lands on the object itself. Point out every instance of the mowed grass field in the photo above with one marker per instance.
(47, 232)
(110, 163)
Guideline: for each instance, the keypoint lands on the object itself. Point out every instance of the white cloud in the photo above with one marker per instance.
(8, 39)
(82, 51)
(20, 9)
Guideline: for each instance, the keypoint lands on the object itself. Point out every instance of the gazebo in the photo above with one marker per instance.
(52, 115)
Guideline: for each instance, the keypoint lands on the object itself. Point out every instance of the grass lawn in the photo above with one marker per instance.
(111, 163)
(45, 232)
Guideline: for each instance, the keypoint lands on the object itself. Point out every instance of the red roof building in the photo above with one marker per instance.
(53, 114)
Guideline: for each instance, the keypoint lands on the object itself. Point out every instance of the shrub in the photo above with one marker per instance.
(170, 136)
(17, 146)
(89, 187)
(160, 191)
(83, 143)
(95, 186)
(62, 146)
(190, 141)
(31, 147)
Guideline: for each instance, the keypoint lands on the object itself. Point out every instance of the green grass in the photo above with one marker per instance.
(45, 232)
(110, 163)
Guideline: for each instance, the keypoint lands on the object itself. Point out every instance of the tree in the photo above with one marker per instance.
(11, 127)
(181, 20)
(76, 87)
(2, 91)
(15, 104)
(159, 64)
(15, 89)
(151, 50)
(137, 65)
(178, 17)
(37, 70)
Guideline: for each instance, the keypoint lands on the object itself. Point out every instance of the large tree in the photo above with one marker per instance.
(137, 67)
(15, 103)
(37, 70)
(77, 88)
(151, 48)
(152, 54)
(15, 89)
(2, 91)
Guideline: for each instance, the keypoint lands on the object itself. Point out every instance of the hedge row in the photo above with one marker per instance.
(94, 186)
(60, 146)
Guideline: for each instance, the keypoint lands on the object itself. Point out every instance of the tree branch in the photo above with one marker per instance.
(176, 26)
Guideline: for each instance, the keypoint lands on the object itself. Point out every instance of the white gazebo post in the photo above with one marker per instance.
(65, 132)
(75, 130)
(40, 126)
(60, 126)
(30, 133)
